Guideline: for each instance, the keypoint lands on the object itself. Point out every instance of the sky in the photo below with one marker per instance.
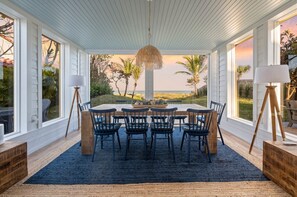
(165, 78)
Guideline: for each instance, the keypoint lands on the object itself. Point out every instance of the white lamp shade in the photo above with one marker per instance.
(76, 80)
(272, 74)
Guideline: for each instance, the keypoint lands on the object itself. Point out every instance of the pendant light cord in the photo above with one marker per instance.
(149, 21)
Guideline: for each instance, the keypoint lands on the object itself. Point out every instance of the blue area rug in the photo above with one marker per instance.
(73, 168)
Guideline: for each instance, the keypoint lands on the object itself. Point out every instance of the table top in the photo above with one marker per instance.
(288, 148)
(180, 107)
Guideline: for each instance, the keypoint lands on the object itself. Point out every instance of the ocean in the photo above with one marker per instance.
(164, 92)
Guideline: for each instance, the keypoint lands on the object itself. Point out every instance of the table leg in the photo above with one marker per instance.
(87, 136)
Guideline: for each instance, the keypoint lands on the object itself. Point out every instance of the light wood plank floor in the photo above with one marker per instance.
(39, 159)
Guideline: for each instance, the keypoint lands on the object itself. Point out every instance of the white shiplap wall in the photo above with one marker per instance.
(36, 134)
(264, 54)
(84, 70)
(34, 118)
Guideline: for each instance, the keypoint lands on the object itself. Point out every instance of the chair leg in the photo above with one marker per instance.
(152, 139)
(182, 142)
(168, 141)
(101, 141)
(145, 145)
(290, 124)
(95, 143)
(127, 146)
(155, 142)
(113, 152)
(189, 147)
(221, 135)
(119, 139)
(208, 153)
(172, 145)
(199, 142)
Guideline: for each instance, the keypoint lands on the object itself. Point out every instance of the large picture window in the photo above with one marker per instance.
(7, 68)
(244, 79)
(288, 55)
(51, 83)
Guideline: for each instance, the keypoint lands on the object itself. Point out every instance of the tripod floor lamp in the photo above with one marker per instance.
(75, 81)
(271, 74)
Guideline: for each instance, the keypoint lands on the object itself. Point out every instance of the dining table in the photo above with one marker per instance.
(87, 133)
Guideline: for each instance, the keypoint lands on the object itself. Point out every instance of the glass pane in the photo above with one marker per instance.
(182, 79)
(50, 79)
(116, 79)
(7, 73)
(244, 79)
(288, 49)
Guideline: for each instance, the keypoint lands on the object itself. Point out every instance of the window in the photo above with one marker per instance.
(243, 90)
(288, 55)
(7, 70)
(189, 74)
(51, 79)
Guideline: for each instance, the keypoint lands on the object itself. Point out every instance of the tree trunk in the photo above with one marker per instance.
(126, 87)
(135, 84)
(195, 90)
(116, 85)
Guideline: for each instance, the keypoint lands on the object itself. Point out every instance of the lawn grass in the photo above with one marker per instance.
(186, 99)
(245, 109)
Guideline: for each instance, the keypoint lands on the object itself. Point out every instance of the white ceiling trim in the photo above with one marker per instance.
(163, 52)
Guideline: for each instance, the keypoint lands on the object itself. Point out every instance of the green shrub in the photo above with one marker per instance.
(98, 89)
(6, 87)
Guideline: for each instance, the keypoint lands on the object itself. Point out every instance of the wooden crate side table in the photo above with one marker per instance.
(280, 165)
(13, 164)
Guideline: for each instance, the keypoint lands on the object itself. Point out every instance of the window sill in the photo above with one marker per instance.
(240, 120)
(50, 122)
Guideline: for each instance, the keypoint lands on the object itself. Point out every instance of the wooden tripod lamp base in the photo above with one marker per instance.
(76, 81)
(271, 74)
(270, 91)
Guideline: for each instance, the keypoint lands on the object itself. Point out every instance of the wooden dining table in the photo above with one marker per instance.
(87, 134)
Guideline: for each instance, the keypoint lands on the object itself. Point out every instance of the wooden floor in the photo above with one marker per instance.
(247, 188)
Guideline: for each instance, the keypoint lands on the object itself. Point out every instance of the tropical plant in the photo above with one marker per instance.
(126, 71)
(194, 65)
(136, 73)
(241, 70)
(99, 67)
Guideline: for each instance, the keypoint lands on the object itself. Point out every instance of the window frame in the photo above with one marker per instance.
(232, 113)
(56, 38)
(16, 73)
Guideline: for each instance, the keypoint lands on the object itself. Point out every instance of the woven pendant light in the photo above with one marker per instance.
(149, 56)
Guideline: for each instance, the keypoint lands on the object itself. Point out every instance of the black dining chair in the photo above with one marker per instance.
(104, 126)
(85, 106)
(180, 118)
(163, 123)
(136, 124)
(219, 108)
(117, 118)
(198, 129)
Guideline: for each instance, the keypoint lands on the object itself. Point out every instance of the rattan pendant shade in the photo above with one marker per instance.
(149, 56)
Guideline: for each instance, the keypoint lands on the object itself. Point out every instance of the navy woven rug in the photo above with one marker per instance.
(73, 168)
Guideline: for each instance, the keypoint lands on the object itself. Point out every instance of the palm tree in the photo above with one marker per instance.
(136, 73)
(126, 71)
(241, 70)
(194, 66)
